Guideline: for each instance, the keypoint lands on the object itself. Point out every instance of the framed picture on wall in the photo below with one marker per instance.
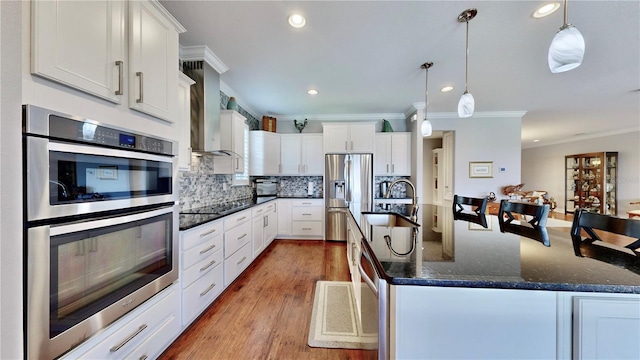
(481, 169)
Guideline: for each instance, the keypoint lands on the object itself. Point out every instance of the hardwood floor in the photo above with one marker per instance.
(266, 312)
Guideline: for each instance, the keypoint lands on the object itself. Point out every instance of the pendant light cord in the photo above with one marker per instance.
(466, 75)
(426, 91)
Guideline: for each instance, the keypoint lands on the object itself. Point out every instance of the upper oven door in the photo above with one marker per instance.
(65, 179)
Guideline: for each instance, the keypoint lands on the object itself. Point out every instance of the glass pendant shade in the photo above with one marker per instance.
(466, 105)
(567, 50)
(426, 128)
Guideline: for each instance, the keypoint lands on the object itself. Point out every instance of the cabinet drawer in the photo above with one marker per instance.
(306, 213)
(307, 202)
(202, 267)
(130, 335)
(205, 249)
(236, 263)
(258, 211)
(234, 220)
(308, 228)
(200, 234)
(157, 342)
(235, 238)
(201, 293)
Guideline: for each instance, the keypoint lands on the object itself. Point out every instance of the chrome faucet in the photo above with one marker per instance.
(414, 200)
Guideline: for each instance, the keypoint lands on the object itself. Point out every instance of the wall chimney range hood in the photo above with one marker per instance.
(205, 101)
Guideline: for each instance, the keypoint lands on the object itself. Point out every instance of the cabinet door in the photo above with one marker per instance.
(183, 122)
(257, 235)
(80, 44)
(382, 161)
(239, 130)
(362, 137)
(290, 155)
(271, 154)
(335, 138)
(264, 150)
(401, 154)
(271, 227)
(153, 61)
(284, 217)
(312, 157)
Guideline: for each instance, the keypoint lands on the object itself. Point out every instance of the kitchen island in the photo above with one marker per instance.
(466, 291)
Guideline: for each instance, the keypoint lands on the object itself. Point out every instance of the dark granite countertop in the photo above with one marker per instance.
(458, 253)
(195, 217)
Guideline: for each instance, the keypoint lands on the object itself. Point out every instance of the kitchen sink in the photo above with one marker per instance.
(389, 219)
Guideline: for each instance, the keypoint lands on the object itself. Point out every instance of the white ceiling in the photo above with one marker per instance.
(364, 57)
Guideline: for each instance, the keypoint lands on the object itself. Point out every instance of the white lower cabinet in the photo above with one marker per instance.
(201, 250)
(143, 333)
(307, 218)
(237, 245)
(284, 217)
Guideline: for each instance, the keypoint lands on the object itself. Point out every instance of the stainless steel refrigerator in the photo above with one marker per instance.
(348, 186)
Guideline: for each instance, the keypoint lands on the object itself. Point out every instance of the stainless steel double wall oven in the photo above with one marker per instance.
(101, 226)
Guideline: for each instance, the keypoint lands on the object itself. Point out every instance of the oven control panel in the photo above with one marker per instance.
(90, 132)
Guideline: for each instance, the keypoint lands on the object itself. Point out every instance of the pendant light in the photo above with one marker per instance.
(466, 104)
(426, 128)
(567, 47)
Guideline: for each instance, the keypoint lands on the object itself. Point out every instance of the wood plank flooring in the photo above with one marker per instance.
(266, 312)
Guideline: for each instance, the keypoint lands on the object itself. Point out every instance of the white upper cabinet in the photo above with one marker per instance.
(83, 44)
(301, 154)
(80, 44)
(232, 130)
(264, 150)
(183, 121)
(393, 154)
(153, 60)
(349, 137)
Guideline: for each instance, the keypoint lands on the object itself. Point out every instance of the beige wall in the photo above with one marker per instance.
(543, 167)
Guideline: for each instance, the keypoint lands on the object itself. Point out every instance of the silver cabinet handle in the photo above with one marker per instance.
(393, 168)
(207, 249)
(243, 236)
(264, 221)
(141, 98)
(306, 229)
(266, 218)
(346, 145)
(207, 266)
(242, 218)
(306, 203)
(207, 233)
(279, 168)
(306, 214)
(351, 145)
(259, 211)
(207, 289)
(120, 77)
(129, 338)
(143, 357)
(387, 168)
(237, 164)
(241, 260)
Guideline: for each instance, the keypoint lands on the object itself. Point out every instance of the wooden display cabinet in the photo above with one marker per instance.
(591, 182)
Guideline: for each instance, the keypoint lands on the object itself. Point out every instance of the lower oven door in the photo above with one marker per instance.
(82, 276)
(374, 313)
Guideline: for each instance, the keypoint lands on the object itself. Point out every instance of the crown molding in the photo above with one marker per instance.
(202, 52)
(583, 137)
(230, 92)
(344, 117)
(176, 25)
(454, 115)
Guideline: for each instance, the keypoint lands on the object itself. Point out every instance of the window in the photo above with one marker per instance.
(243, 179)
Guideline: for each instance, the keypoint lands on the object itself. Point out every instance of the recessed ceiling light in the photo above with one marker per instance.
(312, 92)
(447, 88)
(536, 140)
(546, 9)
(297, 20)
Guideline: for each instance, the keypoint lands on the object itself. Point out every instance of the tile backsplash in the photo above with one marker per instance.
(298, 185)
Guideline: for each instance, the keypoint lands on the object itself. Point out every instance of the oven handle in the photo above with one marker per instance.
(86, 225)
(366, 278)
(102, 151)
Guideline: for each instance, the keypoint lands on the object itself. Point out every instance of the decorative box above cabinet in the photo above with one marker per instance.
(592, 182)
(83, 44)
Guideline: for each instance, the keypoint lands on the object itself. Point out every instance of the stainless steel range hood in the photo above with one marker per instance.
(205, 109)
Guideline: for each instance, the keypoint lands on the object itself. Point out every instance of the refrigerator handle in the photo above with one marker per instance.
(347, 177)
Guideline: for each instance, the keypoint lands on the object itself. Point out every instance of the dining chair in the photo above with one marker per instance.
(536, 228)
(477, 207)
(587, 243)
